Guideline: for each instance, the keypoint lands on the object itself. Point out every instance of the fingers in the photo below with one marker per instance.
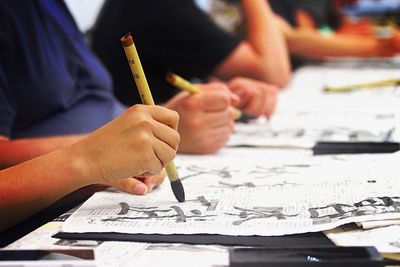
(247, 89)
(131, 186)
(166, 134)
(256, 104)
(215, 97)
(164, 153)
(271, 101)
(235, 99)
(140, 141)
(244, 96)
(164, 140)
(219, 119)
(207, 119)
(258, 98)
(139, 186)
(164, 116)
(217, 138)
(215, 101)
(201, 121)
(270, 98)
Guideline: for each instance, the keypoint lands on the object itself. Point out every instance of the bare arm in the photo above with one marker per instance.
(314, 45)
(16, 151)
(263, 55)
(309, 43)
(30, 186)
(138, 143)
(21, 150)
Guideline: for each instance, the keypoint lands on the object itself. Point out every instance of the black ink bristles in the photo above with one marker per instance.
(246, 118)
(178, 190)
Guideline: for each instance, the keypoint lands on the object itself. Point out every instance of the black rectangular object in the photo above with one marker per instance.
(306, 256)
(45, 255)
(308, 239)
(324, 148)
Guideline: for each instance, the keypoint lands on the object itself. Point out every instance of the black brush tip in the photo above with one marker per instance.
(178, 190)
(246, 118)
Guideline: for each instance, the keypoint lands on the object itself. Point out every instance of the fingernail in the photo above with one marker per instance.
(140, 189)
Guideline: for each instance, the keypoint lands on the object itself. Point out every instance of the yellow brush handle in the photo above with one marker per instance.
(143, 88)
(362, 86)
(182, 84)
(137, 71)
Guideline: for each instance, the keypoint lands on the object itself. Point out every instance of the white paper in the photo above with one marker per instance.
(305, 114)
(143, 254)
(305, 93)
(302, 129)
(250, 196)
(181, 255)
(121, 254)
(106, 253)
(378, 224)
(385, 239)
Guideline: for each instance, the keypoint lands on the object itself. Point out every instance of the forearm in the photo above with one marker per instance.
(267, 41)
(16, 151)
(314, 45)
(33, 185)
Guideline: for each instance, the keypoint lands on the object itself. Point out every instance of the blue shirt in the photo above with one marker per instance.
(50, 83)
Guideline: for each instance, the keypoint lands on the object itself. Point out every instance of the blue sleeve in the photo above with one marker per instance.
(7, 106)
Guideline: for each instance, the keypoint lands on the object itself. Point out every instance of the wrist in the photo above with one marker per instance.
(80, 166)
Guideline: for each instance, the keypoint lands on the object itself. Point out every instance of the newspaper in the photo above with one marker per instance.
(252, 196)
(302, 129)
(112, 253)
